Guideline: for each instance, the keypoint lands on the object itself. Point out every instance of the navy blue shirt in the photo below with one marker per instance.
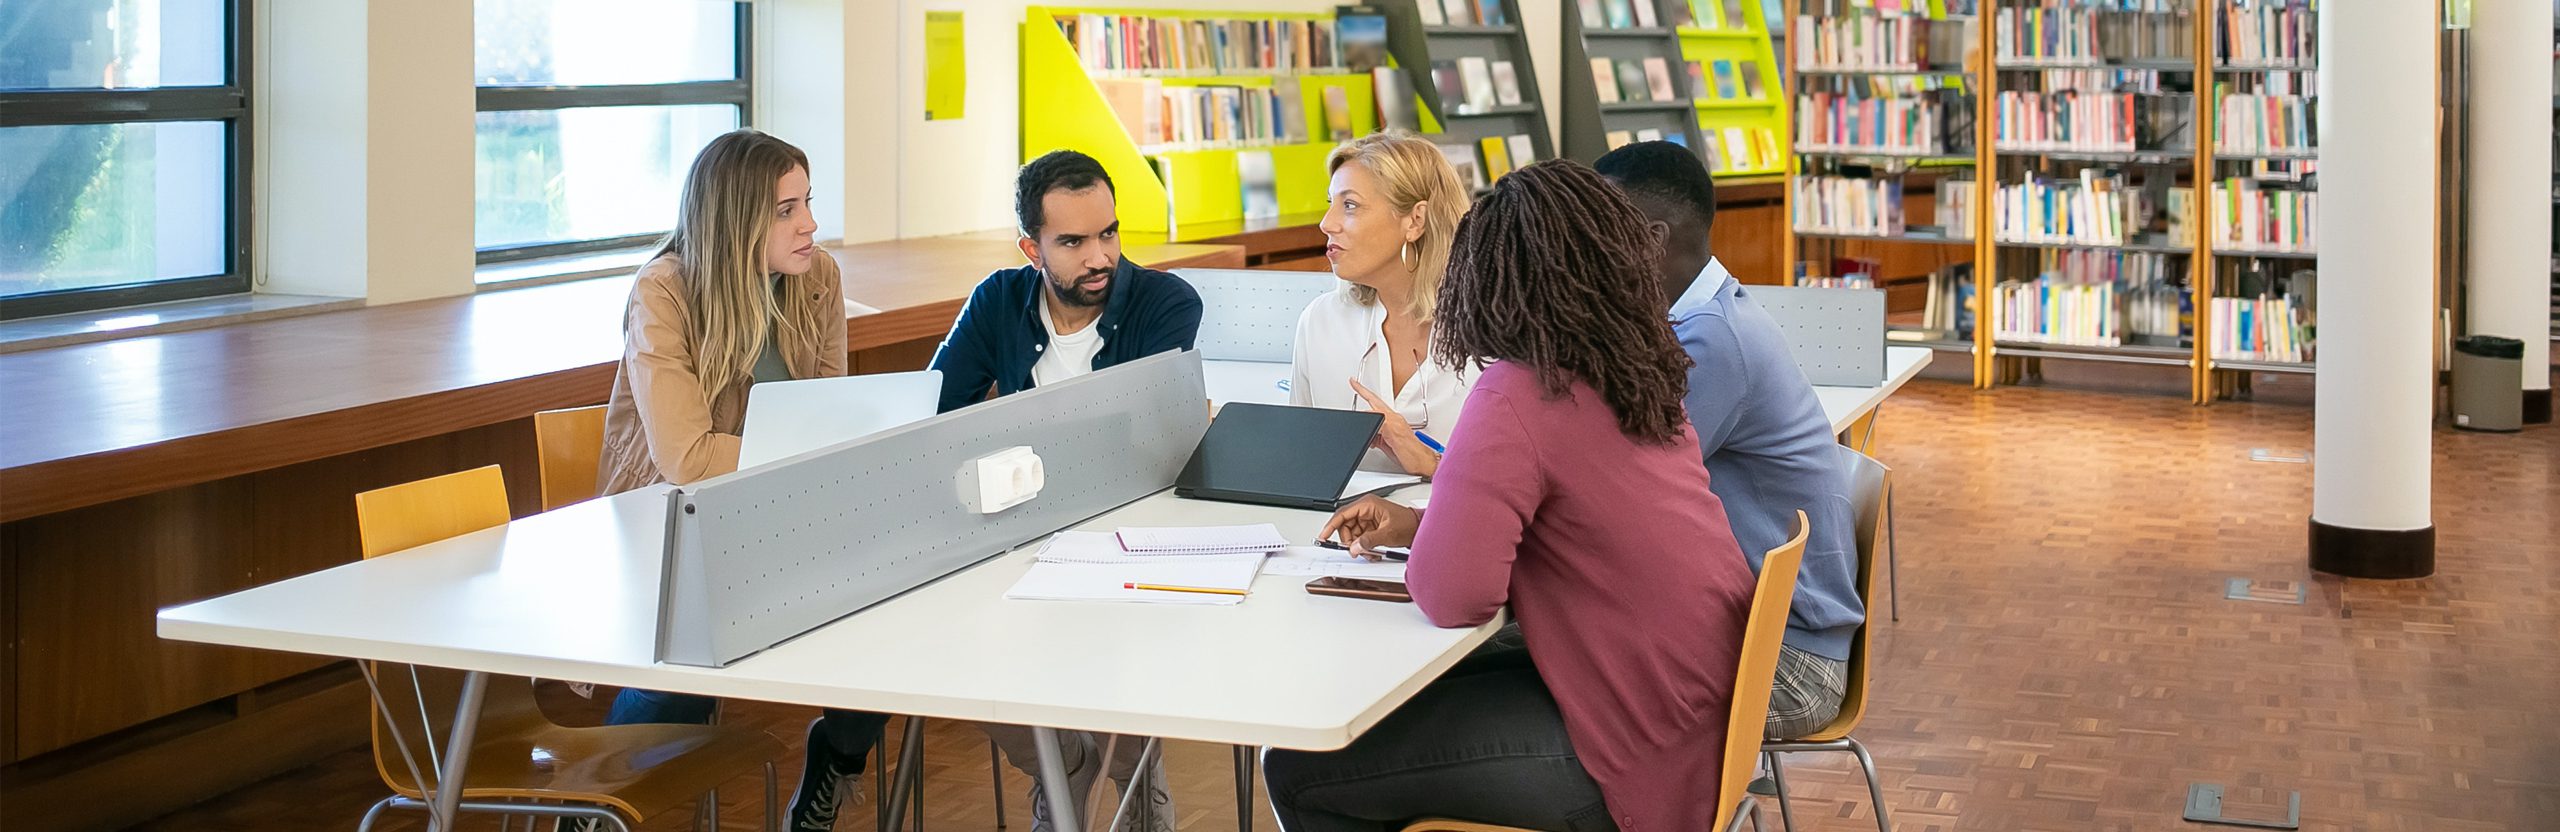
(998, 336)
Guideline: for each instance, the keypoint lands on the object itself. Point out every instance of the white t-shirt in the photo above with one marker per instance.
(1067, 356)
(1340, 339)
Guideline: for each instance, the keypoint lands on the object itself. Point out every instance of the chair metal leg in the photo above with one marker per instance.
(910, 771)
(1244, 788)
(771, 795)
(1875, 789)
(995, 779)
(1140, 782)
(374, 814)
(1892, 569)
(706, 813)
(1778, 777)
(880, 778)
(915, 785)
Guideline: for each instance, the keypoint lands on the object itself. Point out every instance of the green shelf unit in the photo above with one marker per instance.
(1063, 108)
(1737, 42)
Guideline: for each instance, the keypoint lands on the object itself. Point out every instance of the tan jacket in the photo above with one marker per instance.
(659, 426)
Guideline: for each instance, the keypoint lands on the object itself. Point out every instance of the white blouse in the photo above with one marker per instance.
(1340, 339)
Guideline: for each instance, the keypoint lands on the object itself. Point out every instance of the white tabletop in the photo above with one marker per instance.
(572, 594)
(1248, 381)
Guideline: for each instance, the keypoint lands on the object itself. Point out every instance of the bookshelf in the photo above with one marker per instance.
(1626, 78)
(2262, 171)
(1439, 51)
(1737, 84)
(1104, 103)
(1884, 140)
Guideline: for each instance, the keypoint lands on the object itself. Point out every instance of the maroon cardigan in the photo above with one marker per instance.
(1617, 563)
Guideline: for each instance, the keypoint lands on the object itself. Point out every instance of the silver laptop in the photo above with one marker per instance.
(788, 418)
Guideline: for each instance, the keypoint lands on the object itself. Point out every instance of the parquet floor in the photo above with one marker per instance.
(2065, 658)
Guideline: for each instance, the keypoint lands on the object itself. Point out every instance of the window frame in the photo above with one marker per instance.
(738, 91)
(230, 102)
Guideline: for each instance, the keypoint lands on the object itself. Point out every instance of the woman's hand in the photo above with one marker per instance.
(1395, 436)
(1371, 523)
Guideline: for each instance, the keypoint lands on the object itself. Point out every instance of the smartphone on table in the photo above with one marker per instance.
(1365, 588)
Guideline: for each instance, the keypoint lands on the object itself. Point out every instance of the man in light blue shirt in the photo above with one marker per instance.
(1769, 447)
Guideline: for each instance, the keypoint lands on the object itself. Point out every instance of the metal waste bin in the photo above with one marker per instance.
(2488, 383)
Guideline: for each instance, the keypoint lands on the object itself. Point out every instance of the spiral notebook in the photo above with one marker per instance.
(1259, 538)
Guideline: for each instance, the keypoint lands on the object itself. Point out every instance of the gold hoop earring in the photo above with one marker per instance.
(1404, 256)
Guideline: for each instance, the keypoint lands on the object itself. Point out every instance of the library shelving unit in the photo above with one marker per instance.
(2262, 170)
(1739, 87)
(1640, 58)
(1886, 95)
(1426, 41)
(1069, 103)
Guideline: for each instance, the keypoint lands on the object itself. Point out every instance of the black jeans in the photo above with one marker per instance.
(1484, 743)
(848, 733)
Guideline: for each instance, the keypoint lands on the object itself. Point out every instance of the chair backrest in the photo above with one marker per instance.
(1758, 669)
(1868, 491)
(569, 443)
(416, 704)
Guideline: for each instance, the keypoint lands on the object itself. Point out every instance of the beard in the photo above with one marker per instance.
(1073, 295)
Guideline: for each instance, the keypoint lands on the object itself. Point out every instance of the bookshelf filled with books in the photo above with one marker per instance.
(1199, 116)
(1885, 141)
(1626, 80)
(1469, 66)
(1734, 78)
(2262, 193)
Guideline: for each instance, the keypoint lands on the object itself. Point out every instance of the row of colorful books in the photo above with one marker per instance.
(1475, 85)
(1128, 45)
(1865, 206)
(1833, 123)
(2250, 218)
(1741, 149)
(2096, 297)
(1462, 13)
(1955, 207)
(2265, 124)
(1876, 43)
(1642, 14)
(2091, 121)
(1164, 119)
(2268, 33)
(1490, 158)
(2264, 328)
(2093, 208)
(2085, 34)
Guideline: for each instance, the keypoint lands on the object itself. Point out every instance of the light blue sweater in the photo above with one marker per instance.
(1770, 451)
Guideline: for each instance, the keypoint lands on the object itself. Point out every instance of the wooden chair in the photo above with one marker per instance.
(1749, 716)
(520, 762)
(569, 443)
(1868, 491)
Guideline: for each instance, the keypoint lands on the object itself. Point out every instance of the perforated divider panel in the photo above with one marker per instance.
(1836, 335)
(760, 556)
(1252, 315)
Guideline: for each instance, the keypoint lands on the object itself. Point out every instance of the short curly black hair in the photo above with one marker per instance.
(1057, 170)
(1664, 173)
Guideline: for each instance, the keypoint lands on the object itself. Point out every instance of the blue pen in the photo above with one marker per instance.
(1429, 442)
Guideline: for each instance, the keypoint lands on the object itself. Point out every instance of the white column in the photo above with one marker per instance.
(2375, 401)
(364, 163)
(2510, 284)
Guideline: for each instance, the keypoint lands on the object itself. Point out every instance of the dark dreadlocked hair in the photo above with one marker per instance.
(1555, 271)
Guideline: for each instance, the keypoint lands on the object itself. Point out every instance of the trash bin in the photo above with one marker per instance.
(2488, 383)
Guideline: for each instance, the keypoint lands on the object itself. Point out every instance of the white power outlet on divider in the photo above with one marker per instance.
(1001, 480)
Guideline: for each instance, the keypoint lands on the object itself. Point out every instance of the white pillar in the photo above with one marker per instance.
(2375, 402)
(2510, 287)
(364, 159)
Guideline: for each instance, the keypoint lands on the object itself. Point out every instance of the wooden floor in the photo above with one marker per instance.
(2065, 658)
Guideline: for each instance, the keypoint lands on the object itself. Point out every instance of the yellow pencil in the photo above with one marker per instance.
(1199, 589)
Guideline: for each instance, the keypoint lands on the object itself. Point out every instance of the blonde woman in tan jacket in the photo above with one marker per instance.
(739, 293)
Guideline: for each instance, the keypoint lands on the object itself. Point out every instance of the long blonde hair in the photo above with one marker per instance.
(1413, 172)
(719, 242)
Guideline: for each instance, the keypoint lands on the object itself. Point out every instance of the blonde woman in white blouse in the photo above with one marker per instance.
(1394, 202)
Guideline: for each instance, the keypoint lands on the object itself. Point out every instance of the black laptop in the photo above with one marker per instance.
(1276, 455)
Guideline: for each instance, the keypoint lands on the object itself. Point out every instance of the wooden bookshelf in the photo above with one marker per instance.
(1590, 118)
(1418, 47)
(1063, 107)
(2228, 43)
(1952, 69)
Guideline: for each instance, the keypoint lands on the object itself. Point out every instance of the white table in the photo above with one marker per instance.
(1248, 381)
(572, 594)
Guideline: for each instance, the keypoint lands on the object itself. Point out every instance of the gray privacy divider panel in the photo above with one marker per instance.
(1252, 315)
(1836, 335)
(758, 557)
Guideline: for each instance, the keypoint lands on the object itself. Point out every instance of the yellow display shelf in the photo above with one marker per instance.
(1745, 41)
(1063, 108)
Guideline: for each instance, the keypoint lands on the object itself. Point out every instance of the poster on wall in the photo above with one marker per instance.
(946, 73)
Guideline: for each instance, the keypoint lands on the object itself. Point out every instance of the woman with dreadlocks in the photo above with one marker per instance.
(1572, 492)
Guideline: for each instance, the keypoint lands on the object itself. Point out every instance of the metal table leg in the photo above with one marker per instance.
(1244, 788)
(1065, 813)
(466, 724)
(907, 781)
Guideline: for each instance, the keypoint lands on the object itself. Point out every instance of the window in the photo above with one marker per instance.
(124, 136)
(590, 113)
